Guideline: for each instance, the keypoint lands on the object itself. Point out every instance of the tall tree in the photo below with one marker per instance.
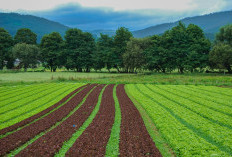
(79, 49)
(221, 56)
(25, 35)
(225, 35)
(6, 43)
(121, 38)
(52, 45)
(134, 57)
(104, 54)
(73, 40)
(27, 54)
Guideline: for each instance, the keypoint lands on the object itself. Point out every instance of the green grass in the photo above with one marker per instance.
(9, 79)
(112, 148)
(190, 125)
(25, 107)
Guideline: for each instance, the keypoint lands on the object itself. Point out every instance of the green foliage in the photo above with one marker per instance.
(188, 126)
(134, 57)
(112, 148)
(68, 144)
(104, 55)
(121, 38)
(25, 35)
(79, 47)
(182, 48)
(49, 95)
(6, 43)
(52, 55)
(27, 54)
(221, 56)
(225, 35)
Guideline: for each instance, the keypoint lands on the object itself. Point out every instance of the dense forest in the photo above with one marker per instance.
(182, 48)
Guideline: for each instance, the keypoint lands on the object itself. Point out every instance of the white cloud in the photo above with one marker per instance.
(117, 5)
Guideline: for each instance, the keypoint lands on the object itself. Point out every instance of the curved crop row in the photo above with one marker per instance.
(20, 125)
(220, 102)
(198, 122)
(181, 135)
(20, 137)
(28, 98)
(198, 107)
(18, 88)
(20, 94)
(40, 105)
(208, 93)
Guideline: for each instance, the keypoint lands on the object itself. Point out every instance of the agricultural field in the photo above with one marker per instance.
(81, 119)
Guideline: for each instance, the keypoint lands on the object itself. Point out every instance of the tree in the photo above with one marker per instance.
(103, 57)
(225, 35)
(199, 48)
(121, 38)
(27, 54)
(52, 55)
(25, 35)
(134, 57)
(6, 43)
(221, 56)
(79, 47)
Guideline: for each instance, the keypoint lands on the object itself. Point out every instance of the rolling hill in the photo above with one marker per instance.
(210, 23)
(41, 26)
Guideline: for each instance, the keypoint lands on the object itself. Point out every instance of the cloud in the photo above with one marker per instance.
(111, 14)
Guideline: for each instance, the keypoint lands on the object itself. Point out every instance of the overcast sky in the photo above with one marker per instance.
(110, 14)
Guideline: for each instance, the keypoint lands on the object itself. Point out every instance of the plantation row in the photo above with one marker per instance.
(92, 120)
(193, 120)
(67, 119)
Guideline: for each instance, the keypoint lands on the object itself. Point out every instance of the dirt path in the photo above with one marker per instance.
(20, 137)
(51, 142)
(134, 138)
(94, 139)
(38, 115)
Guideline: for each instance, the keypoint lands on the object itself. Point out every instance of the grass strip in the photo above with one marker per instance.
(68, 144)
(17, 150)
(160, 142)
(1, 136)
(112, 148)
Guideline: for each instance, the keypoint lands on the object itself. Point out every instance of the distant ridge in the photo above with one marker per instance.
(210, 23)
(41, 26)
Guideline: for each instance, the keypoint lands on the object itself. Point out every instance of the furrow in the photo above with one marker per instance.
(134, 138)
(42, 113)
(51, 142)
(20, 137)
(93, 140)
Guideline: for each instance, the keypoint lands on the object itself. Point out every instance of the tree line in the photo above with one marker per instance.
(181, 48)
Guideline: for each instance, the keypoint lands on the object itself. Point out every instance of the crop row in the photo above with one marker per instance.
(196, 106)
(36, 105)
(187, 132)
(27, 98)
(20, 137)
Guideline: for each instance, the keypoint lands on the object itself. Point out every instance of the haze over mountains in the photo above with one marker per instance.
(209, 23)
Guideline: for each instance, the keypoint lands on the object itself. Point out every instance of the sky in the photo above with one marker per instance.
(111, 14)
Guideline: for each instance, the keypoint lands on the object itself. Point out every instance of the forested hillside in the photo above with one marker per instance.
(209, 23)
(13, 21)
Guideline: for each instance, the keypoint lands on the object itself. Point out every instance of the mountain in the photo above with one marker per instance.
(13, 21)
(210, 23)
